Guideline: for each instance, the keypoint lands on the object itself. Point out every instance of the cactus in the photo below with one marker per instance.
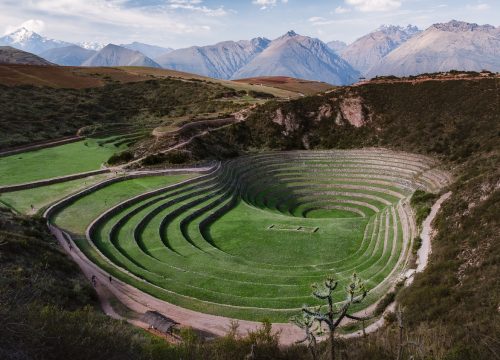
(331, 317)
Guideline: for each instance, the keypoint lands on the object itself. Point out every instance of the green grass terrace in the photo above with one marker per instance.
(249, 238)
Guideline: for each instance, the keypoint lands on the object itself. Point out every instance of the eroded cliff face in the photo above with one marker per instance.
(288, 121)
(347, 108)
(354, 111)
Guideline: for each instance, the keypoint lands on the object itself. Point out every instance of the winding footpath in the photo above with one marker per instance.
(427, 234)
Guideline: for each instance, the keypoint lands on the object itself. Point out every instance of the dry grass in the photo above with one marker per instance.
(306, 87)
(90, 77)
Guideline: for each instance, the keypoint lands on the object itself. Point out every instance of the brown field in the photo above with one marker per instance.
(306, 87)
(88, 77)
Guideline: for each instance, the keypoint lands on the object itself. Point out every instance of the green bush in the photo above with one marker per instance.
(121, 158)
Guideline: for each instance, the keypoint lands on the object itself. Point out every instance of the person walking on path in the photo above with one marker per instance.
(94, 281)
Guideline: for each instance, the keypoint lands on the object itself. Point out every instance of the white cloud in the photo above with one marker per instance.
(116, 14)
(35, 25)
(320, 21)
(193, 5)
(479, 7)
(173, 23)
(341, 10)
(316, 19)
(265, 4)
(374, 5)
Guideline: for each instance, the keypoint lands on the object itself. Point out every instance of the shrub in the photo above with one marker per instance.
(121, 158)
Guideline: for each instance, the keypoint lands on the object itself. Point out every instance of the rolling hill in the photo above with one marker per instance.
(114, 55)
(10, 55)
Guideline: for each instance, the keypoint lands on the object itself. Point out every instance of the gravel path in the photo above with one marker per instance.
(427, 234)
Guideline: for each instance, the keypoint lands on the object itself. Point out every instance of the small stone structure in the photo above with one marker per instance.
(159, 322)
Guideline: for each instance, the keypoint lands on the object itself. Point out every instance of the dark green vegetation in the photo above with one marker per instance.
(422, 202)
(32, 113)
(451, 308)
(451, 119)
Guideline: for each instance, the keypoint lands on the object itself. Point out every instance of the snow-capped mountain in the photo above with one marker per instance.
(367, 51)
(90, 45)
(301, 57)
(221, 60)
(72, 55)
(151, 51)
(455, 45)
(114, 55)
(30, 41)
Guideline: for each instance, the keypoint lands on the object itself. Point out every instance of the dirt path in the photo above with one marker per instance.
(427, 234)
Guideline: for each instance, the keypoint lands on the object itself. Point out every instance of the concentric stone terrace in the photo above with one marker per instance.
(247, 239)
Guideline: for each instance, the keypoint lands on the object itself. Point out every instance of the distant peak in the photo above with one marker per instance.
(21, 34)
(456, 26)
(409, 29)
(290, 33)
(21, 30)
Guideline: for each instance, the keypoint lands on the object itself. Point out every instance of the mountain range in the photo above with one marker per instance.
(388, 50)
(453, 45)
(367, 51)
(221, 60)
(300, 57)
(30, 41)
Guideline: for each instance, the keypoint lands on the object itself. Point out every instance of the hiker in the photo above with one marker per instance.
(94, 282)
(32, 207)
(110, 278)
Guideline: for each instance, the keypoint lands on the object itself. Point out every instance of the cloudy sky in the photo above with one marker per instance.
(181, 23)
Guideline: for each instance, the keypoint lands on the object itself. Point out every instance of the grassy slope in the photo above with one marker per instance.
(81, 156)
(91, 77)
(78, 215)
(306, 87)
(22, 200)
(457, 121)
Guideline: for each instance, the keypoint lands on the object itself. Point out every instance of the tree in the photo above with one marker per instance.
(308, 324)
(332, 316)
